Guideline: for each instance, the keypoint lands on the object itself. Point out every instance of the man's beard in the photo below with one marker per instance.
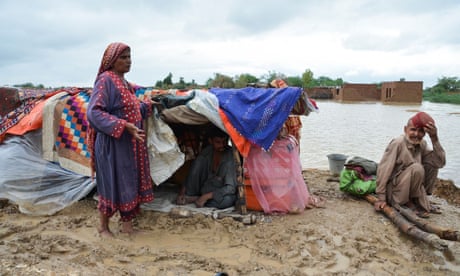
(414, 140)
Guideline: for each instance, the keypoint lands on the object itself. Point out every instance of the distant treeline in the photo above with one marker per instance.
(447, 89)
(29, 85)
(306, 80)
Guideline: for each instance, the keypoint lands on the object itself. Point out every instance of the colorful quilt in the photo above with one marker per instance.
(66, 124)
(73, 124)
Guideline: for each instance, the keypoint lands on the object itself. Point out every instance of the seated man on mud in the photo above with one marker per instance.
(211, 181)
(408, 169)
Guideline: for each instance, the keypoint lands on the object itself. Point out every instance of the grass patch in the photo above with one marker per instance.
(452, 98)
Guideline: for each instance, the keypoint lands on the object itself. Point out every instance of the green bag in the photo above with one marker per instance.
(351, 183)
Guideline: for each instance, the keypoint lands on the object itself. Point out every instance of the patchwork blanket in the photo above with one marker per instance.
(65, 128)
(70, 127)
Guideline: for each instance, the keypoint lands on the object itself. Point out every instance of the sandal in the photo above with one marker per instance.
(435, 210)
(411, 206)
(422, 214)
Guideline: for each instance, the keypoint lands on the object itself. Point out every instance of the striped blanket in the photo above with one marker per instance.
(27, 100)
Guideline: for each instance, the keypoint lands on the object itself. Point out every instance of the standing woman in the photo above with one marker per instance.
(117, 141)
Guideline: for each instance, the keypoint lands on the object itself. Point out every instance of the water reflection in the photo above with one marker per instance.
(365, 129)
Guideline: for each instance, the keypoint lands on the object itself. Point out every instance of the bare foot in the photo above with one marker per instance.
(128, 229)
(105, 233)
(201, 201)
(132, 233)
(180, 200)
(184, 199)
(316, 202)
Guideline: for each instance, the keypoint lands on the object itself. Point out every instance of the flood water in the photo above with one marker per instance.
(365, 129)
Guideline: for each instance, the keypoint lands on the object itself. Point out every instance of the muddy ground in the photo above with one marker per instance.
(347, 237)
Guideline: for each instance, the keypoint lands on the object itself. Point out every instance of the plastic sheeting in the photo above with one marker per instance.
(276, 177)
(207, 105)
(164, 153)
(37, 186)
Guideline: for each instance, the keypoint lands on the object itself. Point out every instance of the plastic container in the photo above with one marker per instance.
(336, 163)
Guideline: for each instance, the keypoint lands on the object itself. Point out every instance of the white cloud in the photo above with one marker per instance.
(59, 43)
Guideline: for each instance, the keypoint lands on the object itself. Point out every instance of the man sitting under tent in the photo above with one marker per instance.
(211, 181)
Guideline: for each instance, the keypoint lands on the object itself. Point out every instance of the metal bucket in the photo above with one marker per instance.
(336, 163)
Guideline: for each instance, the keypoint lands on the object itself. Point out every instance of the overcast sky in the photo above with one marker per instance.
(60, 43)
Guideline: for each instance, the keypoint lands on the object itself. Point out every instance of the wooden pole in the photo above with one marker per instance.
(240, 204)
(443, 233)
(409, 228)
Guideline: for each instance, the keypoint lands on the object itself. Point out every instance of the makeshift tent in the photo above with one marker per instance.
(253, 117)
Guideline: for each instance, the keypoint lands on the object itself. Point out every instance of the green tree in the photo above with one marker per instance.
(180, 84)
(325, 81)
(339, 82)
(244, 79)
(209, 82)
(294, 81)
(222, 81)
(271, 75)
(167, 82)
(448, 84)
(159, 84)
(29, 85)
(307, 79)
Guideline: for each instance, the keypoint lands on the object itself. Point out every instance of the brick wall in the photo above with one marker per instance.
(358, 92)
(321, 92)
(402, 92)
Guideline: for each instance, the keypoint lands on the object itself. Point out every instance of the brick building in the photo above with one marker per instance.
(321, 92)
(358, 92)
(402, 92)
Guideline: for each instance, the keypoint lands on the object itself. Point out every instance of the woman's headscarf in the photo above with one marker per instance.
(111, 53)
